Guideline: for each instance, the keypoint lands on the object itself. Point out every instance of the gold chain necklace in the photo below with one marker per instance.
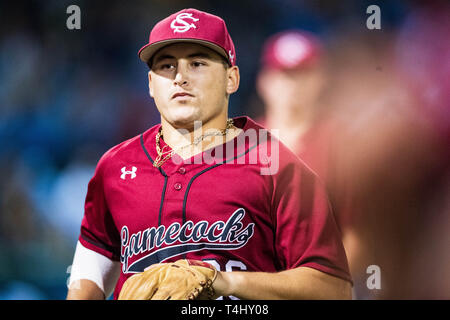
(164, 155)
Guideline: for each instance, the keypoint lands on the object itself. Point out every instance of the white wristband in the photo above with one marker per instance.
(90, 265)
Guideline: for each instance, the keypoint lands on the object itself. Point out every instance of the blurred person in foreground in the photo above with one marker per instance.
(393, 156)
(423, 60)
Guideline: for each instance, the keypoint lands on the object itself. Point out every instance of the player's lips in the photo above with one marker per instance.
(181, 95)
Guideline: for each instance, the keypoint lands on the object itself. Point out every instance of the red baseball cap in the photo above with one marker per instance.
(190, 25)
(290, 49)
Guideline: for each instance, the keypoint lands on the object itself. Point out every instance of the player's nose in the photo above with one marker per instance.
(181, 76)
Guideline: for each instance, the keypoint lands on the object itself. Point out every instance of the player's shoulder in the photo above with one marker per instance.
(118, 149)
(123, 149)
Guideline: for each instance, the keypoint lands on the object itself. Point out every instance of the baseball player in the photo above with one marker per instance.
(203, 187)
(292, 63)
(294, 86)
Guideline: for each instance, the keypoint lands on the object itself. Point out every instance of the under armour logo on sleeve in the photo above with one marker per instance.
(125, 172)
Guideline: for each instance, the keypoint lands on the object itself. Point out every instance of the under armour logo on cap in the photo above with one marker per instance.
(125, 172)
(231, 55)
(179, 24)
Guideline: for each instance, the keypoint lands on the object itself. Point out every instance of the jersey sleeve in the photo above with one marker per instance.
(307, 234)
(98, 231)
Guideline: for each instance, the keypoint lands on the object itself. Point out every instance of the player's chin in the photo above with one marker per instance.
(184, 116)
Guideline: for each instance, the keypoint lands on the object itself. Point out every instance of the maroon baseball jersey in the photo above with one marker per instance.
(249, 204)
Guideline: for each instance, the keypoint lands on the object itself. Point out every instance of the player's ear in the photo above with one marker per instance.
(233, 79)
(150, 87)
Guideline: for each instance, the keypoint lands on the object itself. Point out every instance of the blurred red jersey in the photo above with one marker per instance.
(256, 207)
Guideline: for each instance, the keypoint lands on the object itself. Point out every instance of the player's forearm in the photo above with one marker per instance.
(295, 284)
(85, 290)
(93, 276)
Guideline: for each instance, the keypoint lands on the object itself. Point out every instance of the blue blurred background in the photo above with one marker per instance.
(67, 96)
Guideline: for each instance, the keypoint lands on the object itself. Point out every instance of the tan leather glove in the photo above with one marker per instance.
(181, 280)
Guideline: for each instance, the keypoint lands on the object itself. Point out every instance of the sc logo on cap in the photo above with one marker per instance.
(180, 25)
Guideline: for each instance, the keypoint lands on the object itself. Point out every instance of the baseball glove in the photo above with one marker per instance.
(180, 280)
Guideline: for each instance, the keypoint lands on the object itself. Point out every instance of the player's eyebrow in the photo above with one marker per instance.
(192, 55)
(199, 55)
(163, 57)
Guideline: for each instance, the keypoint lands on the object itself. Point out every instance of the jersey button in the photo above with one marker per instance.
(182, 170)
(177, 186)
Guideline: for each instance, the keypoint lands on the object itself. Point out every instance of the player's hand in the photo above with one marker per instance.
(222, 286)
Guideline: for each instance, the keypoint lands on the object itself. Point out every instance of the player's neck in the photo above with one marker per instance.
(178, 138)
